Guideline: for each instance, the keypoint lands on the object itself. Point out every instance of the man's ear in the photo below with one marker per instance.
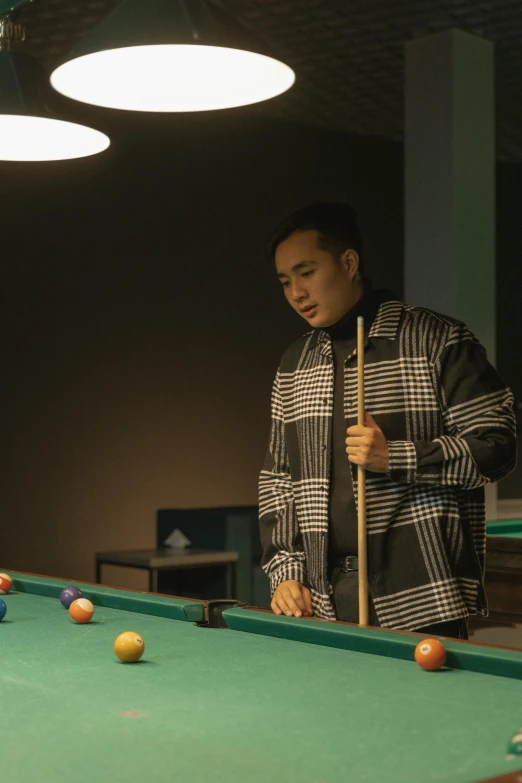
(350, 262)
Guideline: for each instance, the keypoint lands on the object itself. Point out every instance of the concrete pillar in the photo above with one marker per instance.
(450, 183)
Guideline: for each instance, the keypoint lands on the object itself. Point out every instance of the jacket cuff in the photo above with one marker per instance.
(403, 461)
(292, 569)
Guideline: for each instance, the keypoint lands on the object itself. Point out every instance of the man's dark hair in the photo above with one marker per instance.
(335, 222)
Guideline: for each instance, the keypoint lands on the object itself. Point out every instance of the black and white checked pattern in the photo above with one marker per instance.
(450, 426)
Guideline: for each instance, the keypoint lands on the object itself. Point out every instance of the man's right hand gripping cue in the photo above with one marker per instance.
(292, 598)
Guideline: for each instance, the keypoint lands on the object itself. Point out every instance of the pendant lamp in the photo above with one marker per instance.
(29, 129)
(171, 56)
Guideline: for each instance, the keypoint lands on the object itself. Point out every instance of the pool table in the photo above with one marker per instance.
(504, 570)
(266, 699)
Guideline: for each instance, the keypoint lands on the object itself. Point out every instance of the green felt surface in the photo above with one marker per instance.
(112, 598)
(228, 705)
(473, 658)
(506, 528)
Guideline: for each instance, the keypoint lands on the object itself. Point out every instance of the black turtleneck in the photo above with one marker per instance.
(343, 513)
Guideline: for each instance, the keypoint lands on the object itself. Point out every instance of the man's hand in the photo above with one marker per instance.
(367, 446)
(292, 598)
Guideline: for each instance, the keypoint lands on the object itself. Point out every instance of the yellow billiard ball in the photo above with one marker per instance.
(129, 647)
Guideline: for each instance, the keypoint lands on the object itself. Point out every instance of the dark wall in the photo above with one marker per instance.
(509, 287)
(142, 327)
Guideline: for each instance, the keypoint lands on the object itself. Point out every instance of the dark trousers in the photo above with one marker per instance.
(346, 604)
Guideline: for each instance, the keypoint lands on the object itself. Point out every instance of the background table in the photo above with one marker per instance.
(269, 698)
(504, 570)
(169, 559)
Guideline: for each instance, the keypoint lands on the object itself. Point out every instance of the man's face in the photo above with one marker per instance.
(318, 286)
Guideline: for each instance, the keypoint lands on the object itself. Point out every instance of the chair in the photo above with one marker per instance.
(224, 528)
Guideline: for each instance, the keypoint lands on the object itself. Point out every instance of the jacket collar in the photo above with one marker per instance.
(385, 326)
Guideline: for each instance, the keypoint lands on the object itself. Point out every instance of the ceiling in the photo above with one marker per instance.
(348, 54)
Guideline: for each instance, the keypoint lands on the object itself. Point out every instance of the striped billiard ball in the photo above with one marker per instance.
(81, 610)
(6, 583)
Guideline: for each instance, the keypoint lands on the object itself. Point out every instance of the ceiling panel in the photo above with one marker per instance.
(348, 54)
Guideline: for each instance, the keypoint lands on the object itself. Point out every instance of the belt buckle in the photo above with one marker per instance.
(351, 563)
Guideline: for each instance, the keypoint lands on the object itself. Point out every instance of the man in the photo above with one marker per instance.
(439, 427)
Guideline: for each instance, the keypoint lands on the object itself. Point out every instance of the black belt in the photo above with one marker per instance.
(349, 563)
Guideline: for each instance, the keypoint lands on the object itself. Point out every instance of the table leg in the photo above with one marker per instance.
(153, 580)
(233, 580)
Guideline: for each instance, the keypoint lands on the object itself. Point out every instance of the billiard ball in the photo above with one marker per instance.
(430, 654)
(3, 610)
(81, 610)
(129, 647)
(6, 583)
(70, 594)
(515, 745)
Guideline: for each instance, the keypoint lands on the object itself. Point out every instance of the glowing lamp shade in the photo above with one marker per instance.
(170, 78)
(41, 138)
(171, 56)
(29, 129)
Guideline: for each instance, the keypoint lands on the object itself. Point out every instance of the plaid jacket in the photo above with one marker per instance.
(450, 426)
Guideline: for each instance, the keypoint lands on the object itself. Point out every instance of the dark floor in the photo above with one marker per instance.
(492, 632)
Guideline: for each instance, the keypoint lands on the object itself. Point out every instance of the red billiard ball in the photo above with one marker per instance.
(6, 583)
(430, 654)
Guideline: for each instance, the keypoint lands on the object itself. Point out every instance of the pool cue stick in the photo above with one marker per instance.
(361, 488)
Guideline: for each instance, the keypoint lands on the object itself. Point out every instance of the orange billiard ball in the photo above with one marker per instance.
(81, 610)
(129, 647)
(430, 654)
